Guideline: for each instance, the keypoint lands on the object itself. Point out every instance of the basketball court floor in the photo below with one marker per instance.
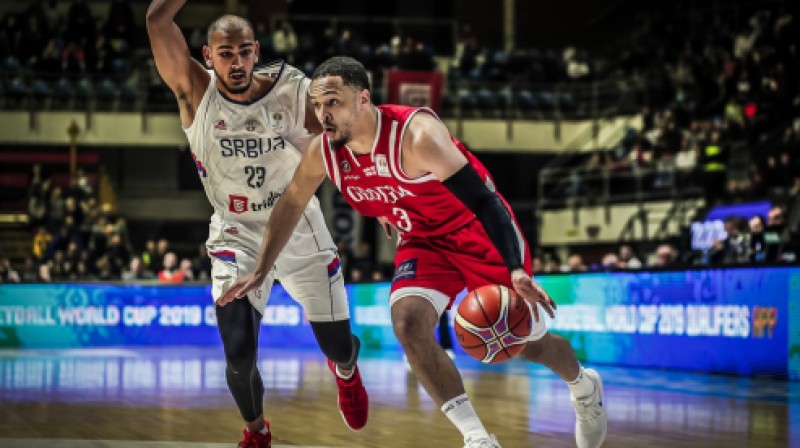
(177, 398)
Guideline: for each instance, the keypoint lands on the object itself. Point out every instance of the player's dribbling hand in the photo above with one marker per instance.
(387, 226)
(240, 288)
(531, 291)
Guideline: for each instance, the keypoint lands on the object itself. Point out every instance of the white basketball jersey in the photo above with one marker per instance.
(246, 153)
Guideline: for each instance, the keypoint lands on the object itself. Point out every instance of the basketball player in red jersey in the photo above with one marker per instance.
(400, 165)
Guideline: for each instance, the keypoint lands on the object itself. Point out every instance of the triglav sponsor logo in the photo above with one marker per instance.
(269, 202)
(242, 204)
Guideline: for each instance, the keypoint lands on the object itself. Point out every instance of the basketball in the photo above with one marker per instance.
(493, 323)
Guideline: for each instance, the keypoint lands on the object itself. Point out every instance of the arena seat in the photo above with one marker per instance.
(120, 66)
(83, 91)
(11, 66)
(504, 101)
(128, 95)
(566, 102)
(526, 102)
(547, 100)
(467, 102)
(17, 90)
(448, 105)
(106, 93)
(41, 90)
(486, 100)
(62, 89)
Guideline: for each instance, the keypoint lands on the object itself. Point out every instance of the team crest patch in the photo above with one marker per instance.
(237, 204)
(277, 122)
(382, 165)
(406, 270)
(345, 166)
(250, 125)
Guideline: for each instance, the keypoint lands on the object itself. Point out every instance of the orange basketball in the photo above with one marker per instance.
(493, 323)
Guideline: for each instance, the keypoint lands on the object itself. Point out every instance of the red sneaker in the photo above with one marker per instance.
(353, 399)
(256, 439)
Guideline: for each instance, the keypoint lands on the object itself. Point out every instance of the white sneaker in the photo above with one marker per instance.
(591, 423)
(482, 442)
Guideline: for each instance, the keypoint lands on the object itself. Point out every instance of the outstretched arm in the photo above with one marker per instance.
(287, 212)
(184, 76)
(429, 148)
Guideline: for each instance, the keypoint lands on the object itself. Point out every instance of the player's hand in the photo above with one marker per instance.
(387, 226)
(241, 287)
(531, 291)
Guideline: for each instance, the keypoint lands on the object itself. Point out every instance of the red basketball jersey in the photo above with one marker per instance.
(375, 184)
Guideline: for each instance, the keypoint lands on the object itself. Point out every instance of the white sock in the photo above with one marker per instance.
(459, 410)
(342, 375)
(264, 430)
(582, 386)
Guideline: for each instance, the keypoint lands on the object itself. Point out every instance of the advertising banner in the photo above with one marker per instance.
(742, 321)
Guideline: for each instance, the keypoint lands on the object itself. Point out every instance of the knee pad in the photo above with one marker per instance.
(337, 342)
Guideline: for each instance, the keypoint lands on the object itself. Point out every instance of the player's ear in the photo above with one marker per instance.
(207, 56)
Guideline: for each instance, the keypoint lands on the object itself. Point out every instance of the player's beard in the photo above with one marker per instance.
(344, 138)
(235, 89)
(344, 129)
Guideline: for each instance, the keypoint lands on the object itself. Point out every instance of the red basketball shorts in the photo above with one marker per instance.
(440, 267)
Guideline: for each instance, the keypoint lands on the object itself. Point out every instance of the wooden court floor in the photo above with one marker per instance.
(177, 398)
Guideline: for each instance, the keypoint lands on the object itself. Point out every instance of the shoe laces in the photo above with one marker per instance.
(587, 409)
(350, 390)
(249, 440)
(483, 442)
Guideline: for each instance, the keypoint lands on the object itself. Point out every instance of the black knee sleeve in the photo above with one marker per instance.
(445, 340)
(337, 342)
(238, 323)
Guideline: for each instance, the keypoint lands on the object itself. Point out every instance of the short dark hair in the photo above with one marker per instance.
(228, 23)
(351, 71)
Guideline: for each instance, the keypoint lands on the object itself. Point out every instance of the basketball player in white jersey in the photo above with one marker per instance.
(246, 128)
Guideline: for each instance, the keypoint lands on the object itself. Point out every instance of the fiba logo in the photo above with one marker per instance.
(415, 94)
(345, 166)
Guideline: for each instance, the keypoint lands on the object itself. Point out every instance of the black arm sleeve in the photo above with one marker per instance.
(470, 189)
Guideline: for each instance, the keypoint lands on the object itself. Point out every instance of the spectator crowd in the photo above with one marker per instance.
(720, 112)
(75, 238)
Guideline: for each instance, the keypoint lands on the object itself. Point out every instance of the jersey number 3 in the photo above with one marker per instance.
(403, 221)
